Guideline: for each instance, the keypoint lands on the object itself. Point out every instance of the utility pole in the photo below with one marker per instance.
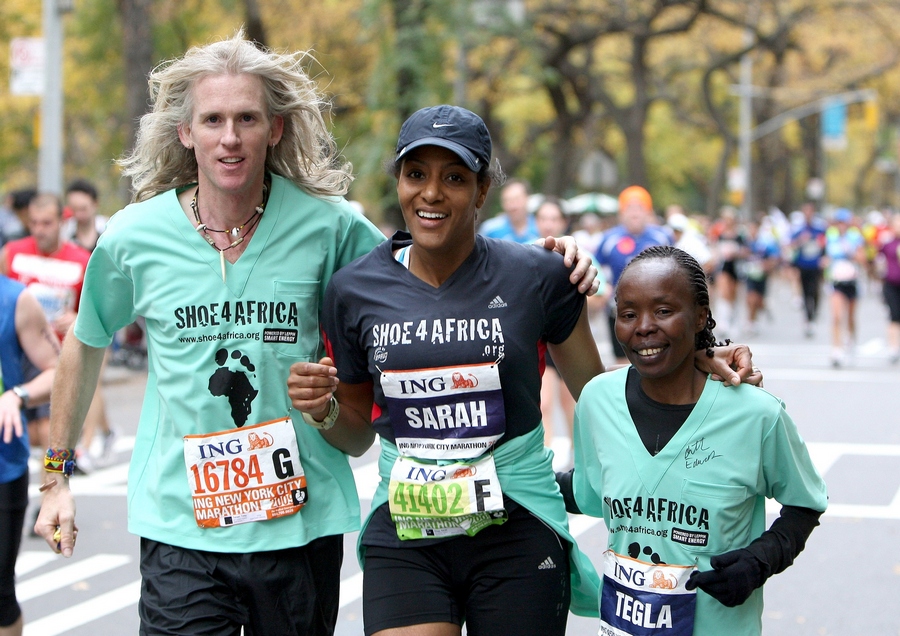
(50, 155)
(745, 119)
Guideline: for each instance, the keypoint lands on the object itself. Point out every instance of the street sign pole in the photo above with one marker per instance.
(745, 116)
(50, 155)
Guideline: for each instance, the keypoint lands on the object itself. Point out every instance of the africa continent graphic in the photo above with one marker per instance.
(235, 385)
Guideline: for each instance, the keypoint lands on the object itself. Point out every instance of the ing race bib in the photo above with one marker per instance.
(428, 501)
(245, 474)
(843, 271)
(55, 301)
(645, 599)
(755, 270)
(811, 249)
(445, 412)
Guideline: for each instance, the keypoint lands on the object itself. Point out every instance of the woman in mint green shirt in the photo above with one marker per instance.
(680, 466)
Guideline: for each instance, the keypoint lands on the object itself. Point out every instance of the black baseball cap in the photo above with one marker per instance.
(451, 127)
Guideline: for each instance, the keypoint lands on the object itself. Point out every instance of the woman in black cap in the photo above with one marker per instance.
(437, 339)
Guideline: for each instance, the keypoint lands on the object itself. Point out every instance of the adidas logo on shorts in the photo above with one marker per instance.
(497, 303)
(547, 564)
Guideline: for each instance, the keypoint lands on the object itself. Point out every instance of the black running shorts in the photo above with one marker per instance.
(847, 289)
(892, 299)
(507, 579)
(292, 592)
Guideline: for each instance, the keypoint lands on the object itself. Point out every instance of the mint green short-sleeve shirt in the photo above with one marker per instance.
(703, 494)
(219, 352)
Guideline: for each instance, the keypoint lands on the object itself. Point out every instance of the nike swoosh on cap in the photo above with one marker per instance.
(437, 125)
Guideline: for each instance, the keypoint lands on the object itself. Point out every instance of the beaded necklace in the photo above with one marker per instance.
(234, 232)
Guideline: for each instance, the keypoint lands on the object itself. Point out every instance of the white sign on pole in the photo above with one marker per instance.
(26, 66)
(737, 179)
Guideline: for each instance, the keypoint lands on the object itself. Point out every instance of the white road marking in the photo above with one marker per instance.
(852, 511)
(110, 481)
(69, 575)
(824, 456)
(366, 477)
(83, 613)
(32, 560)
(351, 589)
(843, 375)
(872, 347)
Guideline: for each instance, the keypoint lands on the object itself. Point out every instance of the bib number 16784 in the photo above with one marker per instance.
(226, 474)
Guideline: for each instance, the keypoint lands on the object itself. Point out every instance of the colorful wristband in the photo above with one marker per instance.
(60, 460)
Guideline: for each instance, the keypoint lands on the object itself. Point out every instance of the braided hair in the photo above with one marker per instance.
(696, 279)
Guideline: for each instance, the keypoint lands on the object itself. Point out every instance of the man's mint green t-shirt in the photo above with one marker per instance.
(219, 352)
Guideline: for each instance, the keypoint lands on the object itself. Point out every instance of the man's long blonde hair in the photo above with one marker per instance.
(306, 153)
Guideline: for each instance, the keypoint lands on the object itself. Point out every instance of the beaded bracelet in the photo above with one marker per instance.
(60, 460)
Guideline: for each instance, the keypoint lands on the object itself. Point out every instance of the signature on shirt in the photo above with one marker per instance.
(698, 453)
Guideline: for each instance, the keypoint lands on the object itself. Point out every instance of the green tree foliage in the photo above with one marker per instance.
(94, 104)
(648, 84)
(18, 125)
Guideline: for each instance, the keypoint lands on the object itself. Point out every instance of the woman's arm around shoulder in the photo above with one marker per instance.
(577, 358)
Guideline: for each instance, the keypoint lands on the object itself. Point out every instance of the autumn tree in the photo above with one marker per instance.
(802, 52)
(646, 83)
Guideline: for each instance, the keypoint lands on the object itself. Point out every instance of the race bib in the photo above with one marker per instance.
(50, 271)
(55, 301)
(645, 599)
(754, 270)
(729, 249)
(445, 412)
(811, 249)
(843, 271)
(428, 501)
(246, 474)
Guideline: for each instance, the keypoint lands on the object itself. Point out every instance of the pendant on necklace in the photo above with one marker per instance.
(235, 231)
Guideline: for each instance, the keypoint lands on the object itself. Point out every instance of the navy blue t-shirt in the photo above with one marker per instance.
(500, 306)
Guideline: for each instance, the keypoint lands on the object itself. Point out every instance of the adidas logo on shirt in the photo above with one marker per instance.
(497, 303)
(547, 564)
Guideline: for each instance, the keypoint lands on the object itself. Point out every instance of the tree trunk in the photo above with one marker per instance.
(253, 27)
(635, 119)
(864, 172)
(634, 136)
(564, 166)
(137, 41)
(809, 135)
(717, 187)
(408, 17)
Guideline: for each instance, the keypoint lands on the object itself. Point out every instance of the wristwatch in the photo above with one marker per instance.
(334, 409)
(22, 394)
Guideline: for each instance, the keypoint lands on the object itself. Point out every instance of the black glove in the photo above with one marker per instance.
(733, 578)
(568, 491)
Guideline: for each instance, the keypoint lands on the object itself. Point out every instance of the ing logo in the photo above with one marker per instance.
(662, 582)
(459, 382)
(259, 441)
(468, 471)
